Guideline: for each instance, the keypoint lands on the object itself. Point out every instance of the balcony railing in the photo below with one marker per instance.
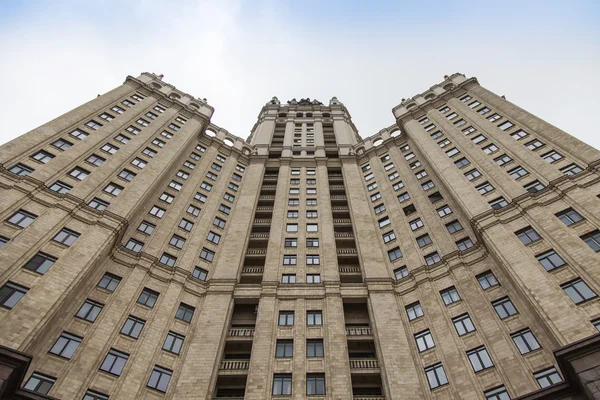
(235, 364)
(262, 221)
(256, 251)
(358, 330)
(259, 235)
(252, 270)
(266, 197)
(337, 197)
(336, 187)
(342, 221)
(241, 332)
(347, 251)
(268, 187)
(349, 269)
(340, 208)
(264, 208)
(372, 397)
(344, 234)
(364, 363)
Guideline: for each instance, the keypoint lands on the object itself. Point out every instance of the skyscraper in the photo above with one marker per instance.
(147, 253)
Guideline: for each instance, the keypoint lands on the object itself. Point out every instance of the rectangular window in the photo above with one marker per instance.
(372, 186)
(460, 123)
(424, 240)
(487, 280)
(133, 326)
(421, 174)
(225, 209)
(157, 212)
(213, 237)
(571, 170)
(146, 227)
(21, 170)
(525, 341)
(207, 255)
(424, 340)
(109, 282)
(534, 186)
(185, 312)
(592, 239)
(463, 324)
(450, 295)
(416, 224)
(518, 172)
(498, 203)
(292, 214)
(218, 222)
(436, 135)
(168, 260)
(398, 185)
(11, 293)
(451, 116)
(400, 273)
(113, 189)
(313, 278)
(494, 117)
(504, 307)
(550, 260)
(175, 185)
(463, 162)
(527, 235)
(40, 383)
(315, 384)
(206, 186)
(62, 144)
(414, 311)
(60, 187)
(480, 359)
(393, 175)
(478, 139)
(286, 318)
(520, 134)
(313, 259)
(454, 226)
(506, 125)
(173, 342)
(200, 273)
(149, 152)
(193, 210)
(578, 291)
(468, 130)
(464, 244)
(547, 377)
(444, 210)
(282, 384)
(389, 236)
(40, 263)
(312, 242)
(114, 362)
(569, 216)
(98, 204)
(93, 124)
(22, 218)
(552, 156)
(314, 348)
(432, 258)
(229, 197)
(394, 254)
(89, 310)
(134, 245)
(436, 376)
(312, 227)
(42, 156)
(159, 379)
(314, 318)
(284, 348)
(78, 134)
(148, 297)
(379, 208)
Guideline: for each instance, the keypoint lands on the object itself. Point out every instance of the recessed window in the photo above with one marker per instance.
(289, 259)
(148, 297)
(398, 185)
(185, 312)
(460, 122)
(186, 225)
(379, 208)
(93, 124)
(427, 185)
(40, 383)
(520, 134)
(168, 260)
(424, 120)
(78, 134)
(284, 348)
(436, 376)
(286, 318)
(444, 109)
(578, 291)
(193, 210)
(369, 176)
(314, 348)
(444, 210)
(414, 311)
(468, 130)
(504, 307)
(424, 340)
(527, 235)
(312, 242)
(114, 362)
(400, 273)
(463, 324)
(464, 244)
(389, 236)
(534, 186)
(429, 127)
(313, 259)
(552, 156)
(451, 116)
(113, 189)
(487, 280)
(394, 254)
(505, 125)
(62, 144)
(134, 245)
(200, 273)
(494, 117)
(473, 174)
(474, 104)
(424, 240)
(571, 170)
(465, 98)
(461, 163)
(547, 377)
(416, 224)
(525, 341)
(518, 172)
(314, 318)
(149, 152)
(484, 188)
(432, 258)
(592, 239)
(122, 139)
(569, 216)
(282, 384)
(133, 327)
(550, 260)
(11, 293)
(454, 226)
(177, 241)
(313, 278)
(60, 187)
(157, 212)
(207, 255)
(21, 170)
(480, 359)
(22, 218)
(436, 135)
(109, 282)
(450, 295)
(40, 263)
(498, 203)
(89, 310)
(225, 209)
(206, 186)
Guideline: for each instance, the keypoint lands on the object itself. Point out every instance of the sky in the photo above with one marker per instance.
(542, 55)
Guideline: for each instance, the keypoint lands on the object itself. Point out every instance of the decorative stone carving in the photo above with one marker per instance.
(334, 101)
(304, 102)
(275, 101)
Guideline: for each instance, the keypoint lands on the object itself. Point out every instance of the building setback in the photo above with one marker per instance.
(147, 253)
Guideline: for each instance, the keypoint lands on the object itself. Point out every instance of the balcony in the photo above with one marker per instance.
(266, 197)
(234, 366)
(262, 221)
(364, 363)
(338, 197)
(344, 221)
(340, 208)
(254, 252)
(241, 332)
(264, 208)
(259, 235)
(252, 270)
(349, 269)
(269, 187)
(336, 187)
(359, 330)
(343, 251)
(374, 397)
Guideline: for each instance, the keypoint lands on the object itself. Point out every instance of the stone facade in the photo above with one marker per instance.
(147, 253)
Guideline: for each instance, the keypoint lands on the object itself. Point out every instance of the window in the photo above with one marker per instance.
(292, 214)
(151, 115)
(42, 156)
(398, 185)
(427, 185)
(369, 176)
(78, 134)
(229, 197)
(182, 174)
(416, 224)
(393, 175)
(122, 138)
(503, 159)
(525, 341)
(550, 260)
(534, 186)
(454, 226)
(312, 227)
(40, 263)
(450, 295)
(379, 208)
(149, 152)
(284, 348)
(137, 97)
(175, 185)
(98, 204)
(219, 223)
(138, 162)
(66, 345)
(451, 116)
(463, 324)
(436, 376)
(547, 377)
(571, 170)
(185, 312)
(578, 291)
(60, 187)
(313, 259)
(213, 237)
(394, 254)
(527, 235)
(89, 310)
(444, 110)
(460, 122)
(444, 210)
(478, 139)
(206, 186)
(465, 98)
(389, 166)
(569, 216)
(551, 156)
(286, 318)
(127, 175)
(168, 259)
(520, 134)
(109, 148)
(79, 173)
(463, 162)
(424, 120)
(22, 218)
(313, 278)
(414, 311)
(494, 117)
(291, 228)
(240, 168)
(487, 280)
(113, 189)
(389, 236)
(133, 326)
(114, 362)
(134, 245)
(376, 196)
(39, 383)
(491, 148)
(314, 348)
(409, 209)
(315, 384)
(504, 307)
(409, 156)
(592, 239)
(93, 124)
(518, 172)
(193, 210)
(148, 297)
(146, 227)
(498, 203)
(62, 144)
(424, 340)
(200, 273)
(436, 135)
(195, 156)
(534, 144)
(468, 130)
(432, 258)
(224, 209)
(474, 104)
(21, 170)
(480, 359)
(372, 186)
(207, 255)
(596, 324)
(143, 122)
(314, 318)
(117, 109)
(11, 293)
(157, 212)
(421, 174)
(282, 384)
(424, 240)
(429, 127)
(464, 244)
(312, 242)
(109, 282)
(3, 240)
(132, 129)
(200, 197)
(128, 103)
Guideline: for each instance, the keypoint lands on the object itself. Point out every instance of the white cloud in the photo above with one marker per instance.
(240, 54)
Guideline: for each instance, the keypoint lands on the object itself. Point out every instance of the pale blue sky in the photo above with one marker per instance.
(543, 55)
